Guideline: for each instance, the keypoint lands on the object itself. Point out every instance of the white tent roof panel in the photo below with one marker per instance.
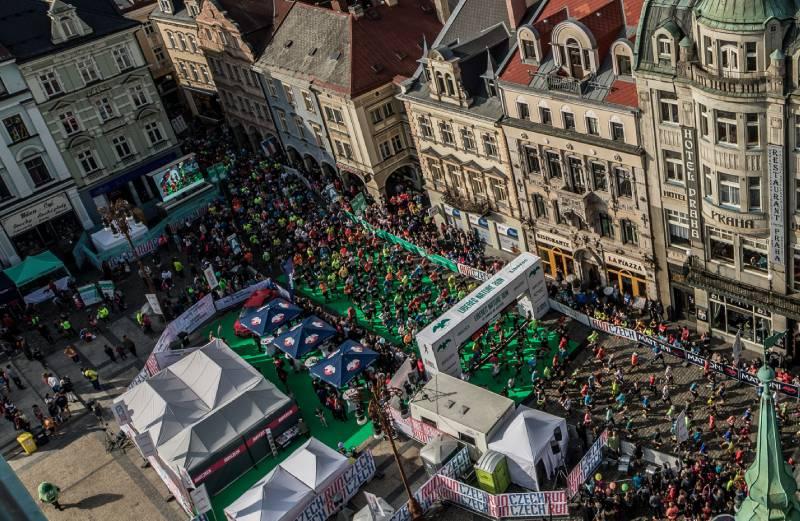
(315, 464)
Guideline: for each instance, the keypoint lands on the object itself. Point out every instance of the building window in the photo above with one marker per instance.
(498, 188)
(624, 184)
(446, 133)
(193, 68)
(166, 6)
(673, 165)
(385, 150)
(288, 90)
(728, 190)
(669, 108)
(436, 172)
(751, 56)
(206, 75)
(708, 182)
(575, 169)
(50, 84)
(397, 144)
(606, 225)
(16, 128)
(181, 42)
(599, 178)
(523, 112)
(5, 193)
(104, 109)
(623, 65)
(528, 49)
(726, 127)
(720, 244)
(704, 120)
(158, 52)
(752, 126)
(38, 171)
(138, 96)
(592, 126)
(154, 134)
(69, 122)
(569, 120)
(377, 116)
(630, 234)
(754, 254)
(709, 50)
(192, 43)
(664, 47)
(553, 164)
(546, 116)
(122, 147)
(754, 194)
(796, 260)
(88, 70)
(298, 122)
(454, 174)
(122, 57)
(730, 316)
(617, 132)
(308, 102)
(468, 140)
(344, 149)
(539, 206)
(171, 40)
(334, 115)
(425, 127)
(729, 56)
(149, 30)
(88, 161)
(531, 156)
(182, 69)
(476, 183)
(490, 145)
(677, 227)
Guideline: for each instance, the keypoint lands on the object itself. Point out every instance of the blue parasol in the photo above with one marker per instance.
(270, 316)
(344, 364)
(304, 337)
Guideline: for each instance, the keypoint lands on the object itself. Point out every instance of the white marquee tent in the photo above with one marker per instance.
(315, 464)
(278, 496)
(526, 442)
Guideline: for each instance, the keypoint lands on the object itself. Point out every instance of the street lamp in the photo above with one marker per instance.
(378, 403)
(118, 217)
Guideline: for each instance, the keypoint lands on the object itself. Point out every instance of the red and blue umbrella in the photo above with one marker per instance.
(344, 364)
(270, 316)
(305, 337)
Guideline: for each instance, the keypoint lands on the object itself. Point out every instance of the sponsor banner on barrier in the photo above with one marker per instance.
(529, 504)
(679, 352)
(590, 461)
(474, 273)
(241, 295)
(458, 465)
(194, 317)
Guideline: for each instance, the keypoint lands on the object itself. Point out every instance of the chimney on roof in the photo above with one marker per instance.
(516, 11)
(339, 5)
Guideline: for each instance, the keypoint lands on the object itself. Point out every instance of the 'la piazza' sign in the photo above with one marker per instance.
(36, 214)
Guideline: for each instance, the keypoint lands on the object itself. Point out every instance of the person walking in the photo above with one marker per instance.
(48, 493)
(14, 376)
(109, 351)
(72, 353)
(68, 388)
(129, 345)
(121, 354)
(91, 375)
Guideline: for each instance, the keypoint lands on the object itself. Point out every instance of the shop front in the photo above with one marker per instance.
(47, 224)
(480, 226)
(556, 253)
(508, 238)
(729, 315)
(628, 275)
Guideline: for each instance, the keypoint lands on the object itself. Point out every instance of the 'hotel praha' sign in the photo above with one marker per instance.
(37, 214)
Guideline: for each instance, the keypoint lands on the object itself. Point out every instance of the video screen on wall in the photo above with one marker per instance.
(178, 177)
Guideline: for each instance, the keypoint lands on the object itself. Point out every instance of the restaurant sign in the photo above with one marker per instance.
(36, 214)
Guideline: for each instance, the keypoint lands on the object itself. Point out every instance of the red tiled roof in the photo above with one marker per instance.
(623, 93)
(633, 10)
(390, 44)
(605, 24)
(518, 72)
(577, 9)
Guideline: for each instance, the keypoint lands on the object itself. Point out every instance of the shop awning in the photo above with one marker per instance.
(33, 267)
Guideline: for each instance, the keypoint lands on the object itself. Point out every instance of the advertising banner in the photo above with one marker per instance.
(241, 295)
(590, 461)
(338, 493)
(89, 295)
(777, 206)
(474, 273)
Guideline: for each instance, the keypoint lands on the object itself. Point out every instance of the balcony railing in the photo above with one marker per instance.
(741, 86)
(471, 205)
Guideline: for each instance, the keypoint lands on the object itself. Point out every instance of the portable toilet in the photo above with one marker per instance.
(492, 472)
(437, 452)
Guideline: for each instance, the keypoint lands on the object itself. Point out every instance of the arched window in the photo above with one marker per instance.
(622, 62)
(440, 82)
(729, 56)
(574, 57)
(664, 47)
(528, 48)
(171, 39)
(182, 41)
(451, 89)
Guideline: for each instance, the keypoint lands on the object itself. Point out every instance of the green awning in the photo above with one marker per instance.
(33, 267)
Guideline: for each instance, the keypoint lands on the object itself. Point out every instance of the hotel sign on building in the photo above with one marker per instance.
(689, 141)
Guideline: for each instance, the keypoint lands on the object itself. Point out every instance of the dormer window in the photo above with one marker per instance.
(574, 62)
(664, 47)
(528, 49)
(440, 82)
(65, 22)
(68, 27)
(166, 6)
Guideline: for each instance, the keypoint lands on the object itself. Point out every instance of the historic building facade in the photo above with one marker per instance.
(233, 35)
(575, 152)
(333, 88)
(455, 112)
(39, 203)
(95, 92)
(177, 24)
(719, 123)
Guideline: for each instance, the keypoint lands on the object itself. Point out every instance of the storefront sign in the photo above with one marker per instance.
(776, 205)
(36, 214)
(673, 195)
(555, 240)
(689, 141)
(624, 262)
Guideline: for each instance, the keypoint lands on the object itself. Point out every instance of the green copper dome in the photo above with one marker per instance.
(743, 15)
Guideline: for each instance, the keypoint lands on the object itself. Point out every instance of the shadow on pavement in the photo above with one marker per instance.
(95, 501)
